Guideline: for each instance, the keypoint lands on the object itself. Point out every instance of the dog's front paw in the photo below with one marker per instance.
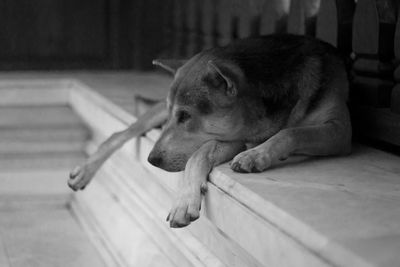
(185, 210)
(80, 176)
(251, 161)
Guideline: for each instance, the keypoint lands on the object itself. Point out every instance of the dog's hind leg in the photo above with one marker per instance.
(194, 182)
(81, 175)
(330, 138)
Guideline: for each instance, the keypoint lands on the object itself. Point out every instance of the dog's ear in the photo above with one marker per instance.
(170, 65)
(223, 74)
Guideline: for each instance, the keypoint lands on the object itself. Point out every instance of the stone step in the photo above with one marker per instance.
(140, 217)
(39, 182)
(330, 211)
(37, 137)
(37, 148)
(120, 230)
(44, 236)
(14, 162)
(126, 204)
(38, 116)
(35, 134)
(41, 139)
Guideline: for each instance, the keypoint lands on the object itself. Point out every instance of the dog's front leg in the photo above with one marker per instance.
(194, 183)
(81, 175)
(330, 138)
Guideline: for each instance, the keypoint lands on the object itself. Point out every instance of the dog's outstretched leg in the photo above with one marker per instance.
(330, 138)
(81, 175)
(194, 183)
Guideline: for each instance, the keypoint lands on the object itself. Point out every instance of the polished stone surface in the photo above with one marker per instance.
(335, 210)
(44, 237)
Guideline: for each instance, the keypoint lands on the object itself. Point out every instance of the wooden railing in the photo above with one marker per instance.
(365, 32)
(197, 25)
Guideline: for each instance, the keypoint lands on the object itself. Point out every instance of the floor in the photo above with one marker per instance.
(38, 146)
(37, 229)
(43, 235)
(119, 86)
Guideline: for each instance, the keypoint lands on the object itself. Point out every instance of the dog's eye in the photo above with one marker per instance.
(183, 116)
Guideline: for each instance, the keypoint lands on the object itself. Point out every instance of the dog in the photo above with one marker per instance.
(256, 102)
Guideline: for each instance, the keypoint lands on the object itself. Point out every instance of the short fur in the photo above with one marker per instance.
(277, 95)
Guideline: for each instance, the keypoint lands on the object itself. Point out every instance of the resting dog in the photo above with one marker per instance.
(256, 101)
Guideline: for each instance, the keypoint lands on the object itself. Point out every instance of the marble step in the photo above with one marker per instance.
(34, 189)
(149, 194)
(13, 162)
(34, 92)
(134, 224)
(117, 229)
(46, 236)
(38, 116)
(33, 139)
(35, 134)
(37, 137)
(330, 211)
(28, 147)
(40, 182)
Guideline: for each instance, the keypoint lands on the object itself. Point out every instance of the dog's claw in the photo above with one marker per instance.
(251, 161)
(185, 210)
(80, 176)
(237, 167)
(74, 172)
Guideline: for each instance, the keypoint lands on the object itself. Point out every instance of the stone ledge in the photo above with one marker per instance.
(310, 212)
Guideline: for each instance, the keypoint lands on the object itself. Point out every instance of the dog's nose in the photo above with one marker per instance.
(155, 160)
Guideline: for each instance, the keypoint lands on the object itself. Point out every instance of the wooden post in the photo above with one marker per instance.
(373, 34)
(244, 22)
(209, 20)
(395, 99)
(247, 14)
(225, 22)
(334, 23)
(274, 16)
(302, 16)
(192, 27)
(147, 33)
(167, 25)
(179, 9)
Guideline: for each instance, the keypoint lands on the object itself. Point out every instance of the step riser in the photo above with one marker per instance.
(43, 135)
(277, 249)
(47, 116)
(21, 93)
(120, 230)
(144, 185)
(50, 161)
(44, 183)
(245, 231)
(36, 148)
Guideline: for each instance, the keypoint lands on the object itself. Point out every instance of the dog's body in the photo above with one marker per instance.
(276, 95)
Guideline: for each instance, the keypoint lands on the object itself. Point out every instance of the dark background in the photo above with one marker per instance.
(128, 34)
(79, 34)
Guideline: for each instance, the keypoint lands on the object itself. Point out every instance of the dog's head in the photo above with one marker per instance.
(202, 105)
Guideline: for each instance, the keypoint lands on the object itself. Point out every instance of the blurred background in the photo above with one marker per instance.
(126, 35)
(75, 34)
(72, 73)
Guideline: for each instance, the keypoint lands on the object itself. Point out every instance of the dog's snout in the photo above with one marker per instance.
(155, 160)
